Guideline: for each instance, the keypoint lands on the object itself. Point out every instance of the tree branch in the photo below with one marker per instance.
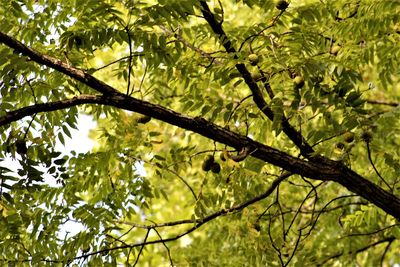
(317, 167)
(296, 137)
(326, 171)
(200, 222)
(51, 106)
(186, 43)
(56, 64)
(382, 102)
(387, 239)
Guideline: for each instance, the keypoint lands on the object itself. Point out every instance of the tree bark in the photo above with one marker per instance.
(317, 167)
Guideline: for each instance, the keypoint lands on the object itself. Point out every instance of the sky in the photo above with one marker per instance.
(81, 143)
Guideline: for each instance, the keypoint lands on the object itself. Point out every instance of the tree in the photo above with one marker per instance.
(268, 132)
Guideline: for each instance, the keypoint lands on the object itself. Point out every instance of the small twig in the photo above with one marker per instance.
(272, 241)
(316, 195)
(328, 138)
(171, 171)
(388, 239)
(186, 43)
(375, 169)
(253, 36)
(300, 206)
(116, 239)
(321, 211)
(142, 80)
(295, 248)
(372, 233)
(129, 61)
(382, 102)
(281, 212)
(124, 234)
(34, 115)
(184, 181)
(390, 242)
(337, 18)
(236, 107)
(141, 248)
(266, 84)
(166, 247)
(118, 60)
(159, 225)
(204, 220)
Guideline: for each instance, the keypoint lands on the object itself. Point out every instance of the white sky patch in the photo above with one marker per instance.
(80, 141)
(139, 169)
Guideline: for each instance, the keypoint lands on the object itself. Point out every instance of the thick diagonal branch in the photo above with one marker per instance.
(56, 64)
(18, 114)
(319, 168)
(294, 135)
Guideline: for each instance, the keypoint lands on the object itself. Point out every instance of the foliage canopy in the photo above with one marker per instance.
(264, 134)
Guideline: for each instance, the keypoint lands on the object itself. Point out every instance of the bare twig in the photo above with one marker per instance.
(166, 247)
(174, 173)
(200, 222)
(253, 36)
(278, 251)
(375, 169)
(383, 102)
(320, 212)
(236, 107)
(186, 43)
(129, 60)
(372, 233)
(281, 212)
(390, 242)
(295, 248)
(300, 206)
(362, 249)
(158, 225)
(141, 248)
(118, 60)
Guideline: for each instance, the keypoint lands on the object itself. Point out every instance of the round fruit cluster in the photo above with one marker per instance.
(210, 164)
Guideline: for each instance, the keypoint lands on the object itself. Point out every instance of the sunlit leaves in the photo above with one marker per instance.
(145, 172)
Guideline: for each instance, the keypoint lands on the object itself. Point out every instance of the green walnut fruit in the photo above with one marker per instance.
(335, 49)
(207, 163)
(256, 76)
(215, 167)
(281, 4)
(396, 28)
(253, 58)
(366, 136)
(348, 137)
(21, 147)
(144, 119)
(340, 146)
(298, 82)
(85, 249)
(257, 226)
(206, 166)
(78, 41)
